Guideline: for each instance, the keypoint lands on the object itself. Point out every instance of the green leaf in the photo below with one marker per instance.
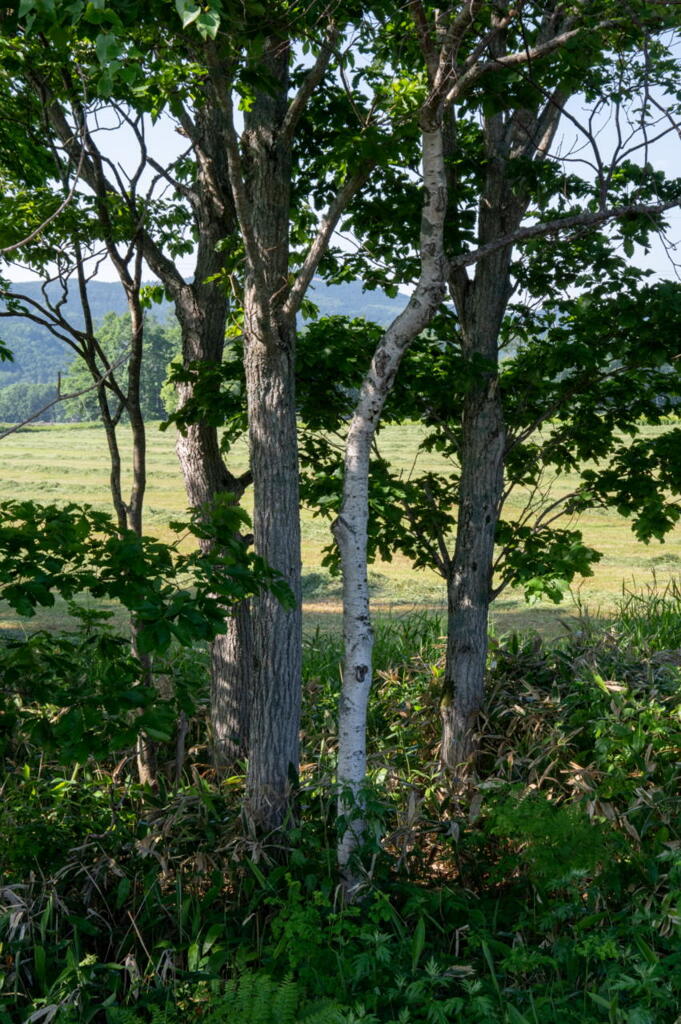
(188, 11)
(599, 1000)
(208, 24)
(107, 47)
(514, 1016)
(418, 943)
(40, 963)
(490, 963)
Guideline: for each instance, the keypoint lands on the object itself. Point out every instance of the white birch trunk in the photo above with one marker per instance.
(350, 529)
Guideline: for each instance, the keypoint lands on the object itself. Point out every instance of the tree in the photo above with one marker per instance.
(19, 402)
(125, 208)
(488, 46)
(260, 167)
(614, 66)
(113, 335)
(225, 181)
(66, 254)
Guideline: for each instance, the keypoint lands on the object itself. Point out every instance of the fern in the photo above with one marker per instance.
(252, 998)
(158, 1015)
(255, 998)
(285, 1002)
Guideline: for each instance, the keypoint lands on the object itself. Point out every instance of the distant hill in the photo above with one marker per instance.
(39, 357)
(351, 300)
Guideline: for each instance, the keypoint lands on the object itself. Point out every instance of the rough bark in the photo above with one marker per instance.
(481, 304)
(350, 529)
(262, 187)
(277, 631)
(202, 309)
(230, 705)
(469, 582)
(205, 477)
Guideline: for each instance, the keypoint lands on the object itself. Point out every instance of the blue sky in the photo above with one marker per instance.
(165, 143)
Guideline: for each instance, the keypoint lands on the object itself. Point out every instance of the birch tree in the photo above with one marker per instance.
(472, 53)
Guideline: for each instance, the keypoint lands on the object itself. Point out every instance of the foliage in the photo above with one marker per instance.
(74, 694)
(575, 389)
(161, 344)
(73, 549)
(550, 891)
(20, 400)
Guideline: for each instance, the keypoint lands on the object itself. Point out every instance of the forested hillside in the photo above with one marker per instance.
(29, 382)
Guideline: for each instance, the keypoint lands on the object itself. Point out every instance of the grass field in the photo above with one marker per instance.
(70, 463)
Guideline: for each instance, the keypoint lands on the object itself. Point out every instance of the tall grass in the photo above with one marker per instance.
(651, 619)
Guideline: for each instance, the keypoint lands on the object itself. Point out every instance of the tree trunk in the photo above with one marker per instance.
(206, 476)
(261, 182)
(277, 631)
(259, 163)
(202, 309)
(231, 690)
(146, 749)
(147, 763)
(481, 304)
(350, 529)
(469, 582)
(137, 426)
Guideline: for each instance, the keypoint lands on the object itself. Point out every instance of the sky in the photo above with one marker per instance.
(665, 154)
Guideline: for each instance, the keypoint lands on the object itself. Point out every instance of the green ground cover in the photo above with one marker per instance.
(549, 893)
(69, 462)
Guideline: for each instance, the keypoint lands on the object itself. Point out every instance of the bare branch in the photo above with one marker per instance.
(326, 229)
(63, 398)
(310, 83)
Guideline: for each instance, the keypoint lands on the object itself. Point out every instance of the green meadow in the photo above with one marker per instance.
(69, 462)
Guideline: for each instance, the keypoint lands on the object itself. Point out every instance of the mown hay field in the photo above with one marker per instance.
(70, 463)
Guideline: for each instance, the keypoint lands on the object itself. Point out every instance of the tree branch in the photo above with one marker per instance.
(242, 205)
(326, 229)
(552, 227)
(454, 36)
(64, 398)
(53, 216)
(310, 83)
(425, 38)
(510, 60)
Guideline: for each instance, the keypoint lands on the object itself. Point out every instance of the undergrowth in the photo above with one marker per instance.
(549, 894)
